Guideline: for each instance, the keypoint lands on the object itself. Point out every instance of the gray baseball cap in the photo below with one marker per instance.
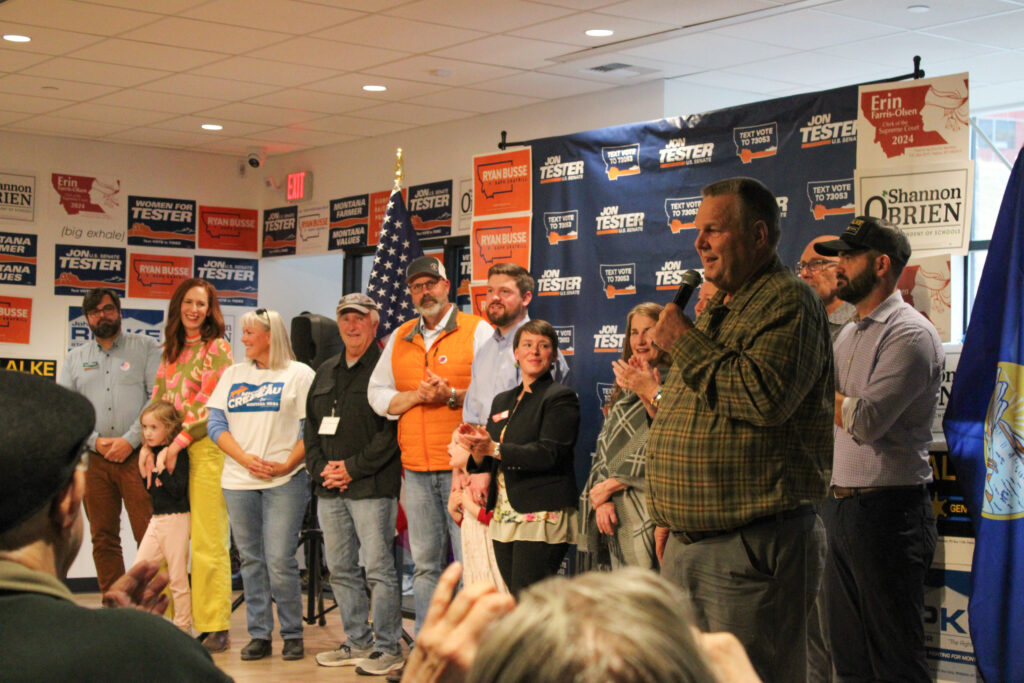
(356, 301)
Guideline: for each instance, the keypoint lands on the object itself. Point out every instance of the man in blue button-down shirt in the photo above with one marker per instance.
(115, 372)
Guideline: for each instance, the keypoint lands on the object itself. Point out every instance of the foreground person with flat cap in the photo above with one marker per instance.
(45, 635)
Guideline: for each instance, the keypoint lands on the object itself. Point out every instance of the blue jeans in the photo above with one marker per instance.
(368, 524)
(266, 524)
(430, 529)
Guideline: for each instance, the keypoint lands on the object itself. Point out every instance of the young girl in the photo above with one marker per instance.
(168, 533)
(477, 552)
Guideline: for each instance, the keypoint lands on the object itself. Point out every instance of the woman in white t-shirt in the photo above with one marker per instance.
(256, 415)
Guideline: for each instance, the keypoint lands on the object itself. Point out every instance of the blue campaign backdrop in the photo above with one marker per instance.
(613, 212)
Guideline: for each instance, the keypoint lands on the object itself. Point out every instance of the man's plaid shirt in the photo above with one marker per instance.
(744, 428)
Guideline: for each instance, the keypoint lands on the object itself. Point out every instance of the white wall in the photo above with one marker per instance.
(291, 284)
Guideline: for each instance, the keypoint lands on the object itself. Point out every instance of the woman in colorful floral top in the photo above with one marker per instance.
(194, 358)
(528, 446)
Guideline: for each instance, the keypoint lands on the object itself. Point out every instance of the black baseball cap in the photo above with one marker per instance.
(868, 232)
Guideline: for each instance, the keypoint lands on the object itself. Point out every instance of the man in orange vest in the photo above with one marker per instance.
(421, 381)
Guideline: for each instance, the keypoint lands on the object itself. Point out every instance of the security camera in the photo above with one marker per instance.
(255, 157)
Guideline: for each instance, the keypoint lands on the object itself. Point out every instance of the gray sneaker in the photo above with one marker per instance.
(379, 664)
(343, 656)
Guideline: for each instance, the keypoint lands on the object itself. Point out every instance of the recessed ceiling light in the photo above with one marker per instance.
(15, 38)
(918, 9)
(375, 88)
(443, 73)
(599, 32)
(212, 126)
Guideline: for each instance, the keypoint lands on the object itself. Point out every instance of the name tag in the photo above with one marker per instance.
(498, 417)
(329, 426)
(90, 365)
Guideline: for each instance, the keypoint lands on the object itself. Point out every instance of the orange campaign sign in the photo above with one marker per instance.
(225, 228)
(503, 240)
(478, 295)
(378, 207)
(501, 183)
(154, 276)
(15, 319)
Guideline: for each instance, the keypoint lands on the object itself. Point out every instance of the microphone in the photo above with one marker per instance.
(690, 281)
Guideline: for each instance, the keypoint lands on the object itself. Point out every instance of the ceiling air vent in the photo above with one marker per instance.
(611, 66)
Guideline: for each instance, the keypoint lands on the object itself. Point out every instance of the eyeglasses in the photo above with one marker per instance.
(813, 266)
(422, 286)
(102, 310)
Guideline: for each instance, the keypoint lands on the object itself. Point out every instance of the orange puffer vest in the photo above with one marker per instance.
(425, 430)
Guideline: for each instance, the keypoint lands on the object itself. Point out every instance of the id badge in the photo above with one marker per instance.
(329, 426)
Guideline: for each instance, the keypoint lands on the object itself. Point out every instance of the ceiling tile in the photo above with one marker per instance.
(299, 136)
(489, 16)
(199, 35)
(352, 84)
(162, 7)
(638, 68)
(352, 125)
(29, 104)
(69, 15)
(733, 81)
(686, 12)
(51, 87)
(311, 100)
(16, 60)
(805, 30)
(999, 97)
(577, 4)
(328, 54)
(282, 15)
(8, 117)
(425, 68)
(1001, 67)
(542, 85)
(239, 146)
(62, 127)
(896, 14)
(411, 113)
(361, 5)
(158, 137)
(192, 125)
(255, 113)
(264, 71)
(403, 34)
(713, 50)
(175, 103)
(94, 72)
(122, 115)
(480, 101)
(897, 51)
(821, 70)
(571, 29)
(146, 55)
(47, 41)
(204, 86)
(518, 53)
(1004, 30)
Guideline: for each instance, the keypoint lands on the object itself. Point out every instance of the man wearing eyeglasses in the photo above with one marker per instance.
(115, 372)
(819, 272)
(421, 380)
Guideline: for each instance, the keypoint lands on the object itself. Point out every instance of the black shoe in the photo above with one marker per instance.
(292, 649)
(258, 648)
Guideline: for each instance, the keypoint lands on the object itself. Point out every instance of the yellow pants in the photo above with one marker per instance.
(211, 566)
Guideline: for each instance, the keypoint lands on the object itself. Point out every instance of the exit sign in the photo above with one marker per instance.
(299, 187)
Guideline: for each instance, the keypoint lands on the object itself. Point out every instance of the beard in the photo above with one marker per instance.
(503, 316)
(105, 329)
(859, 287)
(429, 307)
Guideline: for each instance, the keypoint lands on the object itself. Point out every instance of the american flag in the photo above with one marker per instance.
(398, 246)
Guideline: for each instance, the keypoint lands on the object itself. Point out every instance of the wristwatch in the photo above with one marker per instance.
(453, 400)
(657, 399)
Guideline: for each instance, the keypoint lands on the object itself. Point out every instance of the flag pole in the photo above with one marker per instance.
(399, 170)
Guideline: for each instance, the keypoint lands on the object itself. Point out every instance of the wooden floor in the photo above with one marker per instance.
(317, 639)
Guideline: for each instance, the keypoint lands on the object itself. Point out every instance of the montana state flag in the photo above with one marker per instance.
(984, 426)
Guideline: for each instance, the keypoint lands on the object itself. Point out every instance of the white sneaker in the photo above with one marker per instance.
(344, 656)
(379, 664)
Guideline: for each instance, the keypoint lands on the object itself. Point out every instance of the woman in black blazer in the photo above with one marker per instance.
(528, 448)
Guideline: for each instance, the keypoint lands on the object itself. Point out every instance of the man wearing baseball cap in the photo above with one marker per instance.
(878, 515)
(45, 635)
(421, 380)
(352, 455)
